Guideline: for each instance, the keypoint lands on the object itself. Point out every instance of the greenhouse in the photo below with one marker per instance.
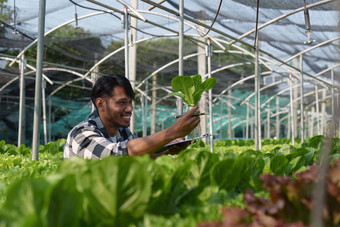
(277, 71)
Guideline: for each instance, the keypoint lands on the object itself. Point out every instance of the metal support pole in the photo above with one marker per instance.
(288, 130)
(133, 57)
(44, 109)
(202, 70)
(311, 122)
(247, 122)
(154, 95)
(221, 119)
(291, 109)
(180, 51)
(145, 107)
(323, 112)
(317, 110)
(268, 121)
(333, 106)
(37, 97)
(229, 114)
(210, 101)
(252, 124)
(126, 41)
(338, 111)
(295, 97)
(22, 103)
(257, 99)
(94, 76)
(49, 117)
(277, 117)
(301, 101)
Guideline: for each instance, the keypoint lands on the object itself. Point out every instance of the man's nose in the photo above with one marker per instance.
(129, 107)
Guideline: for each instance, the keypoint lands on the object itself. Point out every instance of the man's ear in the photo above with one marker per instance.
(100, 103)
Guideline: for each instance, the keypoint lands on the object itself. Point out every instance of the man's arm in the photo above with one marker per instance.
(152, 143)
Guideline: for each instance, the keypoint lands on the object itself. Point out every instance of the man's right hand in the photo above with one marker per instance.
(185, 124)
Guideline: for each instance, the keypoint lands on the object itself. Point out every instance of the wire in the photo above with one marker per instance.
(217, 13)
(76, 15)
(14, 19)
(85, 7)
(18, 31)
(257, 21)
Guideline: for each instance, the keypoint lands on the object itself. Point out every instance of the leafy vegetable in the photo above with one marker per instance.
(290, 203)
(180, 190)
(191, 88)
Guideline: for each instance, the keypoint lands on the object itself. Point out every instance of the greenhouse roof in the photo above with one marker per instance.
(281, 24)
(288, 31)
(283, 38)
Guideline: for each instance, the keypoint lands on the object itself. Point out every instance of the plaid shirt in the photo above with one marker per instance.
(89, 139)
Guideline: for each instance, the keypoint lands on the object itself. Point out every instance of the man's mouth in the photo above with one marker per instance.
(127, 117)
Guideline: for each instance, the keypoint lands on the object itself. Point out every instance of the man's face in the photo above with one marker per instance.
(117, 109)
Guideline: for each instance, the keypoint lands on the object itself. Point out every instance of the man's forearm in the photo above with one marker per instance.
(149, 144)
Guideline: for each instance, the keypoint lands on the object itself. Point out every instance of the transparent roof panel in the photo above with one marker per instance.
(281, 39)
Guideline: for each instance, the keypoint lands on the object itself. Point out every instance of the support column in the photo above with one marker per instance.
(268, 121)
(211, 131)
(22, 103)
(257, 98)
(133, 57)
(292, 113)
(180, 52)
(144, 111)
(323, 112)
(317, 110)
(154, 95)
(338, 111)
(288, 128)
(229, 114)
(247, 122)
(295, 104)
(202, 70)
(126, 41)
(39, 67)
(94, 76)
(333, 106)
(252, 124)
(221, 119)
(49, 100)
(44, 110)
(301, 101)
(311, 122)
(277, 133)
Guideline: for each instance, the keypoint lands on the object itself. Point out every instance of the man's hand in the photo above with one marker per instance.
(185, 124)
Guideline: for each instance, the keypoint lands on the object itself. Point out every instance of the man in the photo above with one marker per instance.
(106, 132)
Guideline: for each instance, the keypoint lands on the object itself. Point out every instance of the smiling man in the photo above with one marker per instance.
(106, 132)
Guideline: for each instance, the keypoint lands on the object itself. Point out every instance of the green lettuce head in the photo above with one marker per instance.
(190, 88)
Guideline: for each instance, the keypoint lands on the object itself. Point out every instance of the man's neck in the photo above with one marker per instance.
(111, 132)
(110, 129)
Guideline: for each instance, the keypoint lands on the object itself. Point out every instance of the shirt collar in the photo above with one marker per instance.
(95, 119)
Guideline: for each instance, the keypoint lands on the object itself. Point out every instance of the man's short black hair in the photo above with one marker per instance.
(105, 85)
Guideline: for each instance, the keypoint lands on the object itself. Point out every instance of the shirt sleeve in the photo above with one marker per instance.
(88, 142)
